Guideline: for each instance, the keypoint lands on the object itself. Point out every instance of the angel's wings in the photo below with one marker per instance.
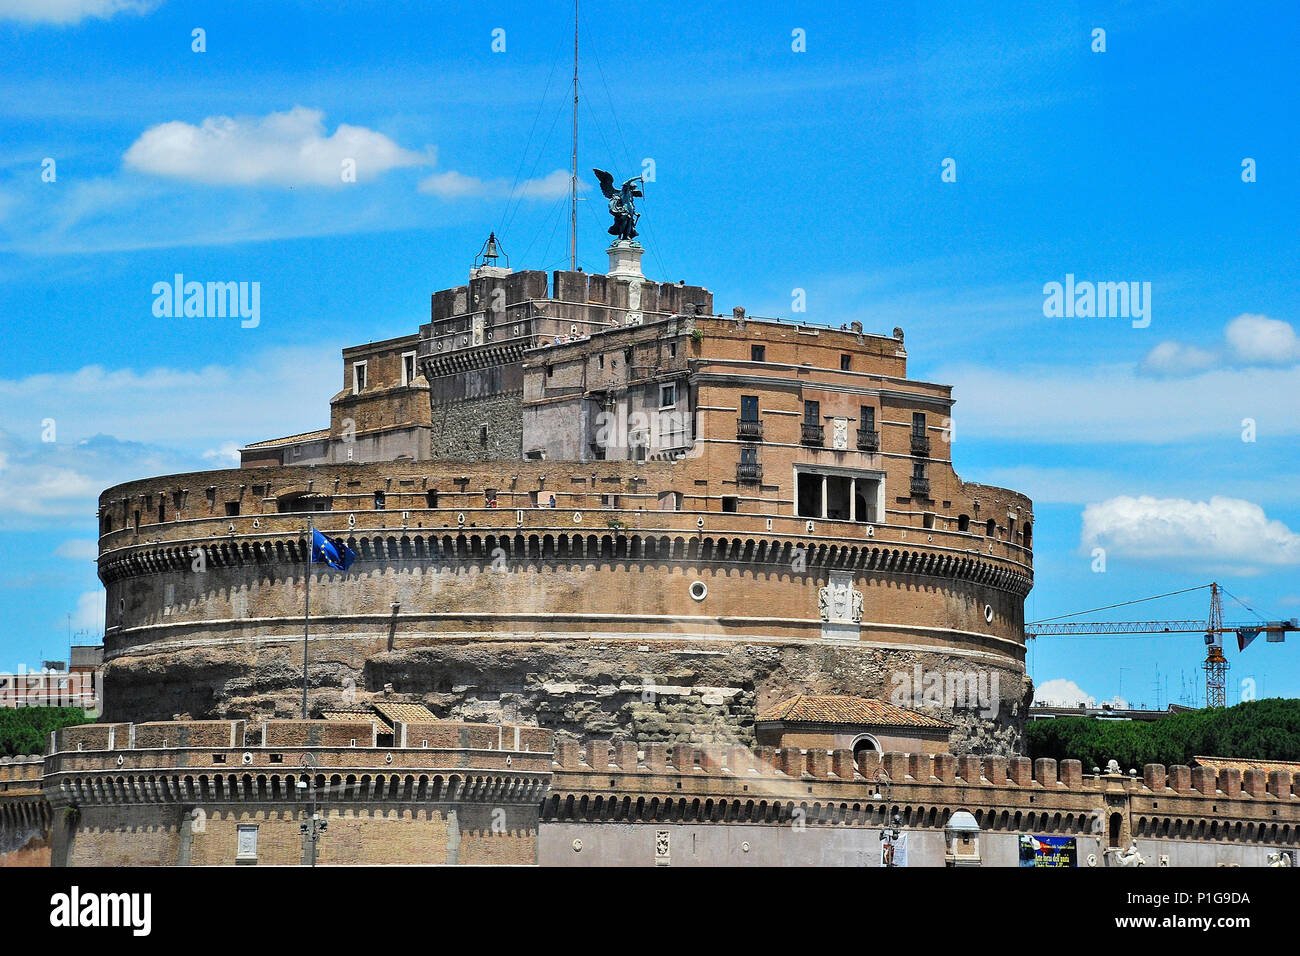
(606, 183)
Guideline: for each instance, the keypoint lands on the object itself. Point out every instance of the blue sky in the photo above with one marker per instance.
(775, 170)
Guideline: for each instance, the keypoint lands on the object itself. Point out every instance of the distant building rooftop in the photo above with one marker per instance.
(1104, 712)
(289, 439)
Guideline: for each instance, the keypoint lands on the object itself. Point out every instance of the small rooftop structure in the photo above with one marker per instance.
(860, 724)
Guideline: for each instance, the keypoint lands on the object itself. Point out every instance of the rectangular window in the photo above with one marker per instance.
(868, 419)
(758, 353)
(672, 350)
(550, 371)
(408, 368)
(749, 408)
(668, 395)
(809, 496)
(483, 435)
(812, 413)
(431, 499)
(600, 361)
(490, 497)
(846, 362)
(379, 501)
(358, 377)
(749, 456)
(609, 501)
(918, 424)
(730, 504)
(232, 509)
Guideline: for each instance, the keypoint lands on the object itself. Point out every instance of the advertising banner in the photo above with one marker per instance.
(1048, 851)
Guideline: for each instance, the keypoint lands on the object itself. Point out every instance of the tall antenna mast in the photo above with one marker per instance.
(573, 176)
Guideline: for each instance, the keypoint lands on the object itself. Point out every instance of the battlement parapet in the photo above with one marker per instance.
(718, 775)
(21, 772)
(342, 749)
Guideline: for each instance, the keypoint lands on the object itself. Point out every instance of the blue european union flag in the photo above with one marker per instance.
(336, 554)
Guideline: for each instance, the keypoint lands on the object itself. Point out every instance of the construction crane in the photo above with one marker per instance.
(1215, 666)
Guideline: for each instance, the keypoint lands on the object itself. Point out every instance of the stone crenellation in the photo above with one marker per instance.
(655, 782)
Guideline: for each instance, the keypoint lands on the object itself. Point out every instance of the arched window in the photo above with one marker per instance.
(991, 527)
(1029, 534)
(863, 747)
(963, 523)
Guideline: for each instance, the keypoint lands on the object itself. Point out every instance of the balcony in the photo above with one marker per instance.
(749, 472)
(868, 440)
(811, 435)
(749, 430)
(920, 445)
(920, 487)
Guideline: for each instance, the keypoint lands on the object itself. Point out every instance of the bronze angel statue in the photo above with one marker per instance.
(621, 205)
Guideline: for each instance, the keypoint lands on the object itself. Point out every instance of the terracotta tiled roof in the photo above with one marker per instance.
(380, 726)
(1241, 763)
(406, 713)
(290, 439)
(832, 709)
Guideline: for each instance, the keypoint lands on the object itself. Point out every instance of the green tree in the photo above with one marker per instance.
(1255, 730)
(25, 730)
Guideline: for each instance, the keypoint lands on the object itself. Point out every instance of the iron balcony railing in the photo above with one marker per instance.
(868, 439)
(811, 434)
(749, 429)
(920, 486)
(749, 471)
(921, 445)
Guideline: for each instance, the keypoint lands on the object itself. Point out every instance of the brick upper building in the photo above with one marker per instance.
(586, 502)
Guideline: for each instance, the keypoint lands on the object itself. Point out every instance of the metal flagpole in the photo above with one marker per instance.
(573, 173)
(306, 616)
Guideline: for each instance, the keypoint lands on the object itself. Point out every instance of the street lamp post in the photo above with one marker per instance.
(313, 826)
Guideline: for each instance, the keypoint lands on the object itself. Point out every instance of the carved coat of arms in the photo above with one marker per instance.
(840, 602)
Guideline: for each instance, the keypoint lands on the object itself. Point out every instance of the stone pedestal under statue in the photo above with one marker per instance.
(625, 260)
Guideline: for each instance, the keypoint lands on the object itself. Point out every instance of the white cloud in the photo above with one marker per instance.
(1248, 340)
(190, 409)
(49, 484)
(78, 549)
(66, 12)
(1259, 340)
(1115, 403)
(225, 456)
(1175, 358)
(89, 615)
(454, 185)
(288, 148)
(1060, 692)
(1221, 532)
(118, 425)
